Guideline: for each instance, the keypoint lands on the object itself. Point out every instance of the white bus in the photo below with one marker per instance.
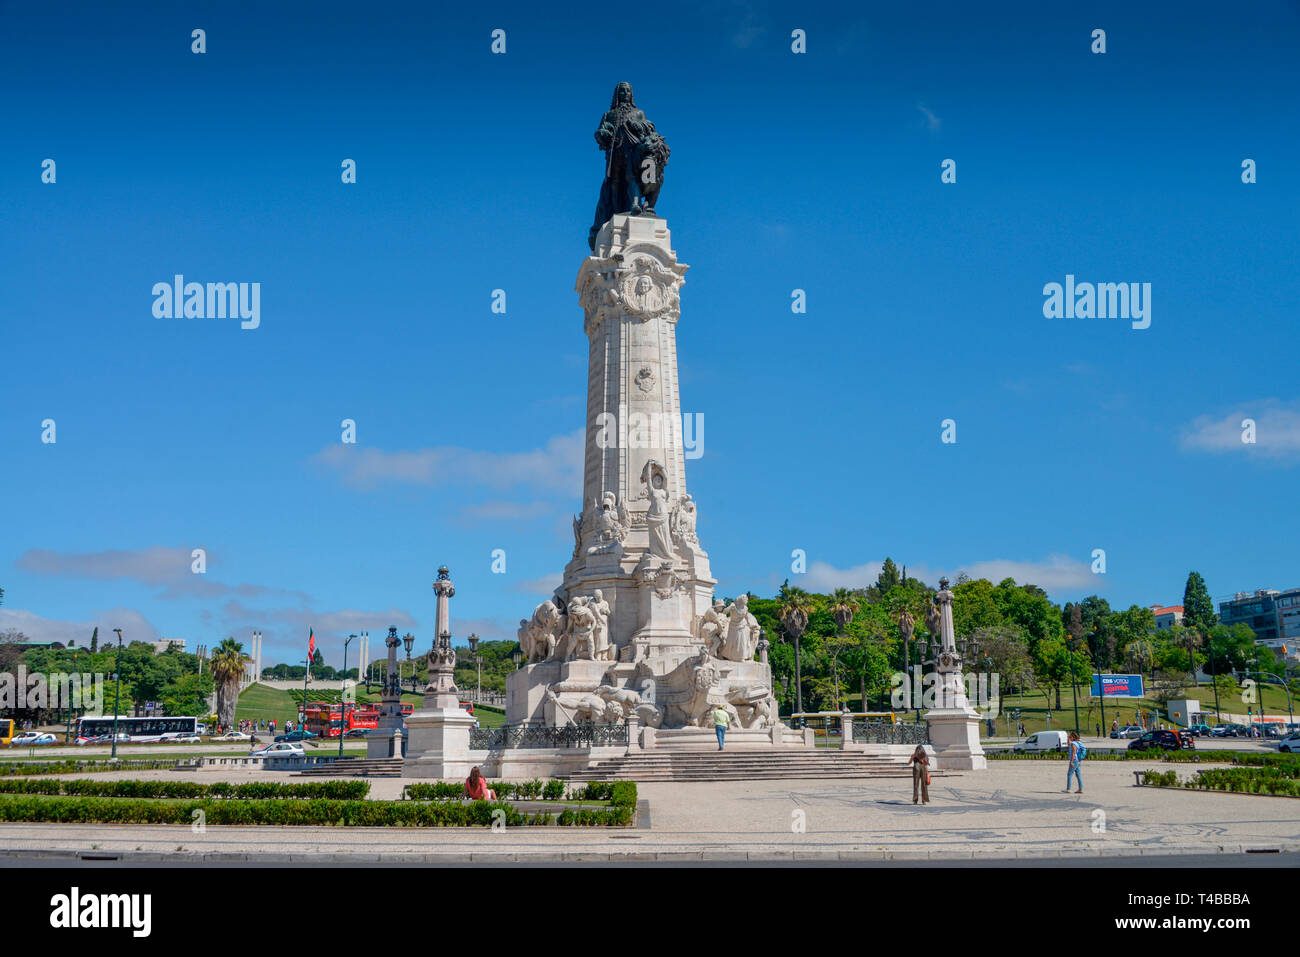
(142, 730)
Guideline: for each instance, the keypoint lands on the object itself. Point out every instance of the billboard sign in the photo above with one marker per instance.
(1117, 686)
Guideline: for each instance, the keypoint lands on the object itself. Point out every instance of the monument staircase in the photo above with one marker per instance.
(745, 764)
(356, 768)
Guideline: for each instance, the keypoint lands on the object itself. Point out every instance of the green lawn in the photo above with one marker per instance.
(262, 703)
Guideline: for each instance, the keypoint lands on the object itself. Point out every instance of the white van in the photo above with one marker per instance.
(1044, 741)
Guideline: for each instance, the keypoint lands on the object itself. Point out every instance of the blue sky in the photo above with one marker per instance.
(478, 171)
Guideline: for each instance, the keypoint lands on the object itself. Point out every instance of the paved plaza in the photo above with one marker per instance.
(1015, 809)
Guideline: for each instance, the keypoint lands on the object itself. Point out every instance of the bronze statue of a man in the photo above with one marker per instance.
(635, 157)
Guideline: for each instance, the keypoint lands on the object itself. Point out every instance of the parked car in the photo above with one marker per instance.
(234, 736)
(1200, 730)
(281, 750)
(356, 732)
(104, 738)
(1128, 731)
(299, 735)
(1043, 741)
(180, 737)
(30, 738)
(1229, 730)
(1290, 743)
(1164, 740)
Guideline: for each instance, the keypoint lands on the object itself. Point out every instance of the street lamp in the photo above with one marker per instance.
(923, 647)
(343, 698)
(517, 656)
(478, 660)
(117, 698)
(408, 640)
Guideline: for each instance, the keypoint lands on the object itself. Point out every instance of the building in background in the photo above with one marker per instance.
(1167, 616)
(1288, 623)
(163, 644)
(1256, 610)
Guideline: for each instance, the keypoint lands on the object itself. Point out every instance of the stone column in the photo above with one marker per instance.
(444, 589)
(439, 731)
(954, 725)
(846, 730)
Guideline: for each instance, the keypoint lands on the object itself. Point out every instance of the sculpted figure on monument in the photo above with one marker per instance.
(683, 521)
(609, 523)
(713, 627)
(742, 632)
(635, 157)
(600, 610)
(582, 624)
(753, 705)
(538, 636)
(658, 514)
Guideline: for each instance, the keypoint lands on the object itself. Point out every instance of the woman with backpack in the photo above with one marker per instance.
(1077, 753)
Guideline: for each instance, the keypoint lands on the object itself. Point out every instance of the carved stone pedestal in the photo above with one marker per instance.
(439, 744)
(955, 736)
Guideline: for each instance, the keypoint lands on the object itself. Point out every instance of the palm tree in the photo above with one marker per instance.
(842, 608)
(228, 668)
(796, 605)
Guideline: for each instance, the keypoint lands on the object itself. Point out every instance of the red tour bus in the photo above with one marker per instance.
(329, 721)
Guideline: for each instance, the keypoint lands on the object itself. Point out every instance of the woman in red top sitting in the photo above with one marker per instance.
(476, 787)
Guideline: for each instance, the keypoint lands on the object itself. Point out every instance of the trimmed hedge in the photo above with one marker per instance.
(257, 790)
(1242, 780)
(316, 813)
(72, 766)
(617, 793)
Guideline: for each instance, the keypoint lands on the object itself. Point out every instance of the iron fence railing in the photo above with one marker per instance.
(886, 732)
(541, 736)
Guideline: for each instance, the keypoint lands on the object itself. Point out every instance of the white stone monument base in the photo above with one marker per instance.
(955, 737)
(379, 743)
(439, 744)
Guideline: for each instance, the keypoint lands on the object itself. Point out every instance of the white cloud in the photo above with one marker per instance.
(157, 565)
(1277, 431)
(135, 627)
(556, 466)
(502, 511)
(1056, 573)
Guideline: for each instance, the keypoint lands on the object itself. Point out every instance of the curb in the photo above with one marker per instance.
(704, 855)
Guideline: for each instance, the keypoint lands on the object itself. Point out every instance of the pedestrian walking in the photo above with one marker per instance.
(920, 762)
(1077, 753)
(721, 721)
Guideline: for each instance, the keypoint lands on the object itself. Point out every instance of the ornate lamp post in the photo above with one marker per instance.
(517, 656)
(409, 641)
(343, 699)
(918, 668)
(117, 697)
(478, 661)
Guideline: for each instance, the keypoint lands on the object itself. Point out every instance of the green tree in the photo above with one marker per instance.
(94, 640)
(228, 668)
(1198, 610)
(888, 577)
(796, 606)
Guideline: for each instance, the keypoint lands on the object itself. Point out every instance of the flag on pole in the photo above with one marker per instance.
(311, 643)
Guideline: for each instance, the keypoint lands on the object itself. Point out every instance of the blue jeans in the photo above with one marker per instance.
(1073, 770)
(722, 733)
